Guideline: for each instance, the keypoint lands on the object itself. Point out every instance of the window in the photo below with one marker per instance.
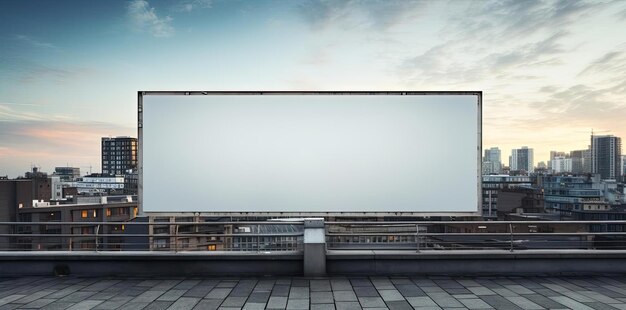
(83, 214)
(211, 247)
(108, 211)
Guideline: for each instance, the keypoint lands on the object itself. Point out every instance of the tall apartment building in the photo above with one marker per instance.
(522, 159)
(606, 156)
(119, 154)
(581, 161)
(492, 161)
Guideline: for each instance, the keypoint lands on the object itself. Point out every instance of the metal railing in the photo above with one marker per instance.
(476, 235)
(273, 236)
(152, 236)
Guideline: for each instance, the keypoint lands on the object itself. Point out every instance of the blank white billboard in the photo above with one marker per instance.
(307, 152)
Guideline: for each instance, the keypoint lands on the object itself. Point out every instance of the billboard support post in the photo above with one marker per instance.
(314, 247)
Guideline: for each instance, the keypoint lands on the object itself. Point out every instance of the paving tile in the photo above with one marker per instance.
(277, 302)
(320, 286)
(218, 293)
(158, 305)
(543, 301)
(570, 303)
(258, 297)
(390, 295)
(322, 298)
(186, 284)
(344, 296)
(198, 291)
(147, 296)
(254, 306)
(399, 305)
(208, 304)
(114, 302)
(280, 290)
(39, 303)
(410, 290)
(475, 303)
(59, 305)
(85, 305)
(422, 301)
(171, 295)
(445, 300)
(234, 301)
(347, 305)
(322, 306)
(299, 292)
(480, 290)
(184, 303)
(524, 303)
(499, 302)
(340, 285)
(371, 302)
(361, 282)
(365, 291)
(298, 304)
(10, 298)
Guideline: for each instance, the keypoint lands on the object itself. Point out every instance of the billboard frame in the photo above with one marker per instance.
(478, 94)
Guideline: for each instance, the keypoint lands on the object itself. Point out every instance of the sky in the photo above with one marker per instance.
(550, 71)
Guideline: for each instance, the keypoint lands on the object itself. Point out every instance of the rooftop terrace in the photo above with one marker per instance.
(597, 292)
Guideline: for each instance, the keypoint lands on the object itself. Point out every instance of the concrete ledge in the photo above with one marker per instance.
(530, 262)
(150, 263)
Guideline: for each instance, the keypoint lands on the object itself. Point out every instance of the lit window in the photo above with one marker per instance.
(211, 247)
(83, 214)
(95, 214)
(108, 212)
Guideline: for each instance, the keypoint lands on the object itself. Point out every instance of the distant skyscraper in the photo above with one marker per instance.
(581, 161)
(119, 154)
(492, 161)
(606, 156)
(522, 159)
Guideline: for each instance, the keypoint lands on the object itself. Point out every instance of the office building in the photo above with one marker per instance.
(560, 164)
(522, 160)
(581, 161)
(492, 185)
(67, 174)
(606, 156)
(492, 161)
(119, 155)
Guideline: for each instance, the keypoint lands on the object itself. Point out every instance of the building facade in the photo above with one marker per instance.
(119, 155)
(492, 161)
(67, 174)
(522, 160)
(606, 156)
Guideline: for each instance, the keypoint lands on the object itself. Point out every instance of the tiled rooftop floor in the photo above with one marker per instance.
(317, 293)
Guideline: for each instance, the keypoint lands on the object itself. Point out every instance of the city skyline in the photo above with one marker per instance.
(71, 70)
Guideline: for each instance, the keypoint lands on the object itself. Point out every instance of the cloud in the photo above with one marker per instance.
(191, 5)
(349, 14)
(145, 18)
(34, 42)
(613, 62)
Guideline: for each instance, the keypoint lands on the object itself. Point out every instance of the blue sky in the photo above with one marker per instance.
(69, 70)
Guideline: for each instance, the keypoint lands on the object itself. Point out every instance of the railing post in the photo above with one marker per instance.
(511, 231)
(258, 237)
(314, 247)
(176, 238)
(97, 237)
(417, 236)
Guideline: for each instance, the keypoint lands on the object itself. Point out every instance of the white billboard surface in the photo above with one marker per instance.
(310, 152)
